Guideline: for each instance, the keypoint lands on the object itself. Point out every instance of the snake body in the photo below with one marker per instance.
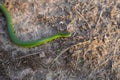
(21, 43)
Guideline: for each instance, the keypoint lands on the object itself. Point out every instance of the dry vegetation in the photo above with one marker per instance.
(91, 53)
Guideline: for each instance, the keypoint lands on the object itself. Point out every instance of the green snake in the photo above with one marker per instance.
(27, 44)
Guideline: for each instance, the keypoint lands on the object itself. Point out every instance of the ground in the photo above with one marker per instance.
(91, 53)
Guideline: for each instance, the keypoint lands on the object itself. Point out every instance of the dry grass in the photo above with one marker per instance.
(91, 53)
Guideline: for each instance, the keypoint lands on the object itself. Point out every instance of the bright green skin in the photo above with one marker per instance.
(27, 43)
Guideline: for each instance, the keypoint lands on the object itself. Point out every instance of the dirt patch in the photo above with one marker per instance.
(91, 53)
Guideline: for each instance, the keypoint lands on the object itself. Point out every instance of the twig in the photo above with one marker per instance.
(60, 54)
(84, 19)
(27, 56)
(99, 17)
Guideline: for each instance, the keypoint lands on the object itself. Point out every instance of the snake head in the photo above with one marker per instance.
(65, 34)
